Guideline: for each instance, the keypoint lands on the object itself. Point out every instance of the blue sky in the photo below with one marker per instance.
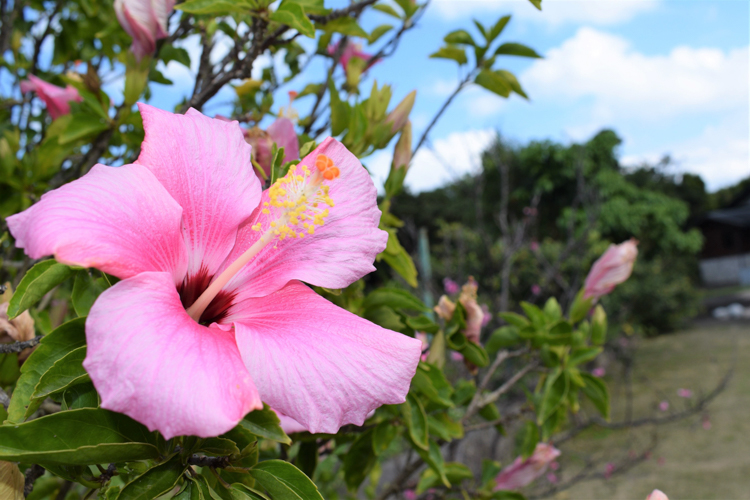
(670, 76)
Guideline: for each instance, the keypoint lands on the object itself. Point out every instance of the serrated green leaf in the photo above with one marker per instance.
(78, 437)
(284, 481)
(265, 423)
(155, 482)
(39, 280)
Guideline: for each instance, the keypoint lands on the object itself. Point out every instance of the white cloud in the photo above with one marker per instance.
(554, 12)
(620, 82)
(449, 159)
(720, 154)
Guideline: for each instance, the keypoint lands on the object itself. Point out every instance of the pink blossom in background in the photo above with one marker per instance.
(145, 21)
(598, 372)
(554, 465)
(523, 472)
(536, 289)
(534, 245)
(457, 356)
(552, 478)
(210, 316)
(661, 460)
(529, 211)
(685, 393)
(351, 50)
(280, 132)
(608, 470)
(657, 495)
(474, 313)
(57, 99)
(486, 315)
(451, 287)
(611, 269)
(410, 495)
(706, 422)
(664, 405)
(422, 337)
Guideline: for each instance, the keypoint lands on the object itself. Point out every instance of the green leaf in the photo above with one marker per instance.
(77, 437)
(359, 460)
(408, 6)
(454, 471)
(293, 15)
(339, 111)
(66, 372)
(284, 481)
(430, 381)
(387, 9)
(39, 280)
(378, 32)
(305, 149)
(598, 326)
(415, 419)
(346, 26)
(434, 458)
(536, 3)
(265, 423)
(58, 343)
(583, 354)
(85, 291)
(382, 436)
(476, 354)
(214, 7)
(155, 482)
(554, 393)
(394, 298)
(459, 36)
(493, 82)
(82, 126)
(596, 390)
(454, 53)
(516, 49)
(80, 396)
(513, 82)
(552, 310)
(307, 457)
(508, 495)
(481, 28)
(506, 336)
(535, 314)
(527, 439)
(490, 469)
(442, 426)
(422, 323)
(497, 29)
(219, 447)
(514, 319)
(170, 53)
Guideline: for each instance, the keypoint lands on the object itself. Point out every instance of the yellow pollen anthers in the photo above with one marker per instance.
(300, 200)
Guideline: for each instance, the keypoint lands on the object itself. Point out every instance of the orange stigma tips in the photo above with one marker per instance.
(327, 168)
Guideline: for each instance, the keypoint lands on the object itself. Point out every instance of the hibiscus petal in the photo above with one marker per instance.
(319, 364)
(205, 165)
(117, 219)
(150, 361)
(336, 255)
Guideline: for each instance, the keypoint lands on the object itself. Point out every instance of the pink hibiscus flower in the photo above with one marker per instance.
(145, 21)
(611, 269)
(210, 316)
(57, 99)
(523, 472)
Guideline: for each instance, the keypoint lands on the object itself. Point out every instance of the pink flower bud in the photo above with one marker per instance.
(445, 308)
(534, 245)
(457, 356)
(402, 151)
(598, 372)
(611, 269)
(474, 313)
(536, 289)
(657, 495)
(523, 472)
(608, 470)
(400, 114)
(664, 406)
(410, 495)
(57, 99)
(145, 21)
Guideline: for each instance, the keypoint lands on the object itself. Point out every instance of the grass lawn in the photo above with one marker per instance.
(688, 461)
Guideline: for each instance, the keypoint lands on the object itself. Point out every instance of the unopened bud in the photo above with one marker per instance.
(657, 495)
(400, 114)
(402, 152)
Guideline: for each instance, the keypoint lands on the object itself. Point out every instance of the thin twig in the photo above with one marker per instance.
(19, 346)
(32, 474)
